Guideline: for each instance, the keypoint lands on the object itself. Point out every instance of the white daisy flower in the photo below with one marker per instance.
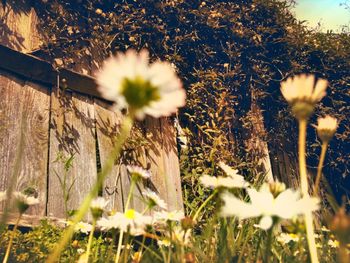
(302, 93)
(286, 205)
(165, 242)
(130, 81)
(285, 238)
(82, 227)
(130, 220)
(153, 199)
(326, 128)
(229, 171)
(303, 88)
(2, 195)
(99, 203)
(97, 206)
(223, 182)
(333, 243)
(138, 172)
(23, 201)
(163, 216)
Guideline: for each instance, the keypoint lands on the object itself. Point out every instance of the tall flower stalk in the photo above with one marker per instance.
(302, 93)
(304, 190)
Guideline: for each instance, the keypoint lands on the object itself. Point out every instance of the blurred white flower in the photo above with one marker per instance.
(82, 227)
(99, 203)
(23, 201)
(229, 171)
(333, 243)
(153, 199)
(130, 220)
(303, 88)
(181, 236)
(223, 182)
(302, 93)
(286, 205)
(97, 207)
(285, 238)
(165, 242)
(163, 216)
(326, 127)
(2, 195)
(138, 172)
(130, 81)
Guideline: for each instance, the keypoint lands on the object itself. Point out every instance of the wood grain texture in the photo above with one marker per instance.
(107, 126)
(72, 133)
(117, 184)
(24, 122)
(163, 161)
(171, 164)
(18, 23)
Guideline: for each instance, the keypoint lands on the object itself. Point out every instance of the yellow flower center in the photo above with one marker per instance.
(130, 214)
(139, 92)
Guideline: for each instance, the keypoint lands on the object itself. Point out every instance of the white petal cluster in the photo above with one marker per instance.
(99, 203)
(285, 238)
(130, 220)
(233, 179)
(25, 199)
(286, 205)
(82, 227)
(134, 68)
(138, 171)
(153, 199)
(163, 216)
(303, 88)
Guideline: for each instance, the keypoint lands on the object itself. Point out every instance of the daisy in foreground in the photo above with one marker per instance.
(131, 221)
(131, 82)
(265, 205)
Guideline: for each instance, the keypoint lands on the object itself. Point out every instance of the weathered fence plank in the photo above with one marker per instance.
(161, 155)
(107, 126)
(171, 164)
(24, 122)
(18, 23)
(72, 134)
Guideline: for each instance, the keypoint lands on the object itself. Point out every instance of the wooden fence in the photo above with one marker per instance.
(49, 115)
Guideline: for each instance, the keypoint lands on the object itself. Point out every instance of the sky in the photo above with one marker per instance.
(328, 12)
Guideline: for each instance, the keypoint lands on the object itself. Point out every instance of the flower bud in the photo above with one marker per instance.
(326, 128)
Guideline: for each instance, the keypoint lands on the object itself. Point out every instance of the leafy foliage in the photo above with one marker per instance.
(229, 54)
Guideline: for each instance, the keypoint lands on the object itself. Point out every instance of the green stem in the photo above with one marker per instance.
(244, 245)
(319, 167)
(304, 190)
(8, 250)
(120, 241)
(124, 133)
(131, 191)
(119, 249)
(203, 205)
(268, 245)
(90, 239)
